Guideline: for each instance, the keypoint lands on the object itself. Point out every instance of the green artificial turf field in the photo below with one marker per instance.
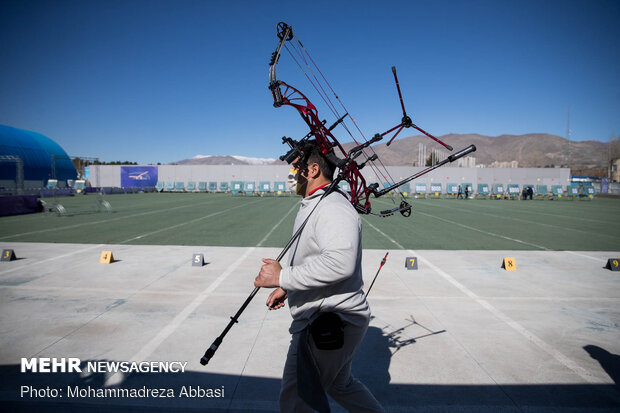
(226, 220)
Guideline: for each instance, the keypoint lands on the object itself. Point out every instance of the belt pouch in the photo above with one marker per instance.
(327, 331)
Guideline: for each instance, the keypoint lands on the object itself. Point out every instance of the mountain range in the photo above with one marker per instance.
(533, 150)
(225, 160)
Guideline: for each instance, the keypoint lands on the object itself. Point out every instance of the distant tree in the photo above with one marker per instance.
(614, 147)
(613, 152)
(431, 160)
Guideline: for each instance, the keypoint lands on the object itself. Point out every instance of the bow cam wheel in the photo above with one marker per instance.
(405, 209)
(282, 27)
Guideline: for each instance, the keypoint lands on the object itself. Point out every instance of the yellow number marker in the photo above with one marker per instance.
(106, 257)
(509, 264)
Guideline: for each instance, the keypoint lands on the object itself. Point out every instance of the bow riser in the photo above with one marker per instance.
(325, 139)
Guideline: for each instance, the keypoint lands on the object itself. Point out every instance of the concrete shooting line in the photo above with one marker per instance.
(167, 331)
(585, 256)
(552, 351)
(55, 257)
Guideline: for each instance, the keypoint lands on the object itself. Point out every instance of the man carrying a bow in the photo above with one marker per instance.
(323, 284)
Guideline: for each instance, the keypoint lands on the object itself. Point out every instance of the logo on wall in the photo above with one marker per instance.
(138, 176)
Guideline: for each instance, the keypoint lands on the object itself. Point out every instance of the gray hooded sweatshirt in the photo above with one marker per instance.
(325, 264)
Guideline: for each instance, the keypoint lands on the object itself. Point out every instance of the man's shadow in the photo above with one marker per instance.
(371, 363)
(609, 362)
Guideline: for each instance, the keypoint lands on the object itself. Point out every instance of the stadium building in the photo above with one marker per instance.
(29, 160)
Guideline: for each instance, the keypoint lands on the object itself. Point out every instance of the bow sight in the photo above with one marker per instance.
(295, 151)
(297, 147)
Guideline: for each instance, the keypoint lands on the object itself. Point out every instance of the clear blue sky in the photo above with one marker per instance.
(160, 81)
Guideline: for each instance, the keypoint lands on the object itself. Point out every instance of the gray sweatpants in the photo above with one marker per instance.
(335, 371)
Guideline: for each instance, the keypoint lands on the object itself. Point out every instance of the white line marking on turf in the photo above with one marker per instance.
(260, 244)
(484, 232)
(530, 211)
(147, 234)
(105, 221)
(471, 211)
(567, 362)
(164, 333)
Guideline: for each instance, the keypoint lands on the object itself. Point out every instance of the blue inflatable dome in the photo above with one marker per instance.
(39, 154)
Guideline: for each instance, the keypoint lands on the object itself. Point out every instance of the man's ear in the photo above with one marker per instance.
(313, 170)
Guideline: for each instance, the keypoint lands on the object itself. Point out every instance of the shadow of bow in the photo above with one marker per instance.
(371, 363)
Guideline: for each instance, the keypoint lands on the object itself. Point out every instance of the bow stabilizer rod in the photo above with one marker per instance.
(406, 121)
(449, 159)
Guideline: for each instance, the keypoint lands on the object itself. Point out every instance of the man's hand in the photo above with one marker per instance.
(269, 275)
(276, 299)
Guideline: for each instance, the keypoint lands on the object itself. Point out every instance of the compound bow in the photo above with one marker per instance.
(287, 95)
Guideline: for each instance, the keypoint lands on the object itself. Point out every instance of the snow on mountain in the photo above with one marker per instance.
(225, 160)
(254, 161)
